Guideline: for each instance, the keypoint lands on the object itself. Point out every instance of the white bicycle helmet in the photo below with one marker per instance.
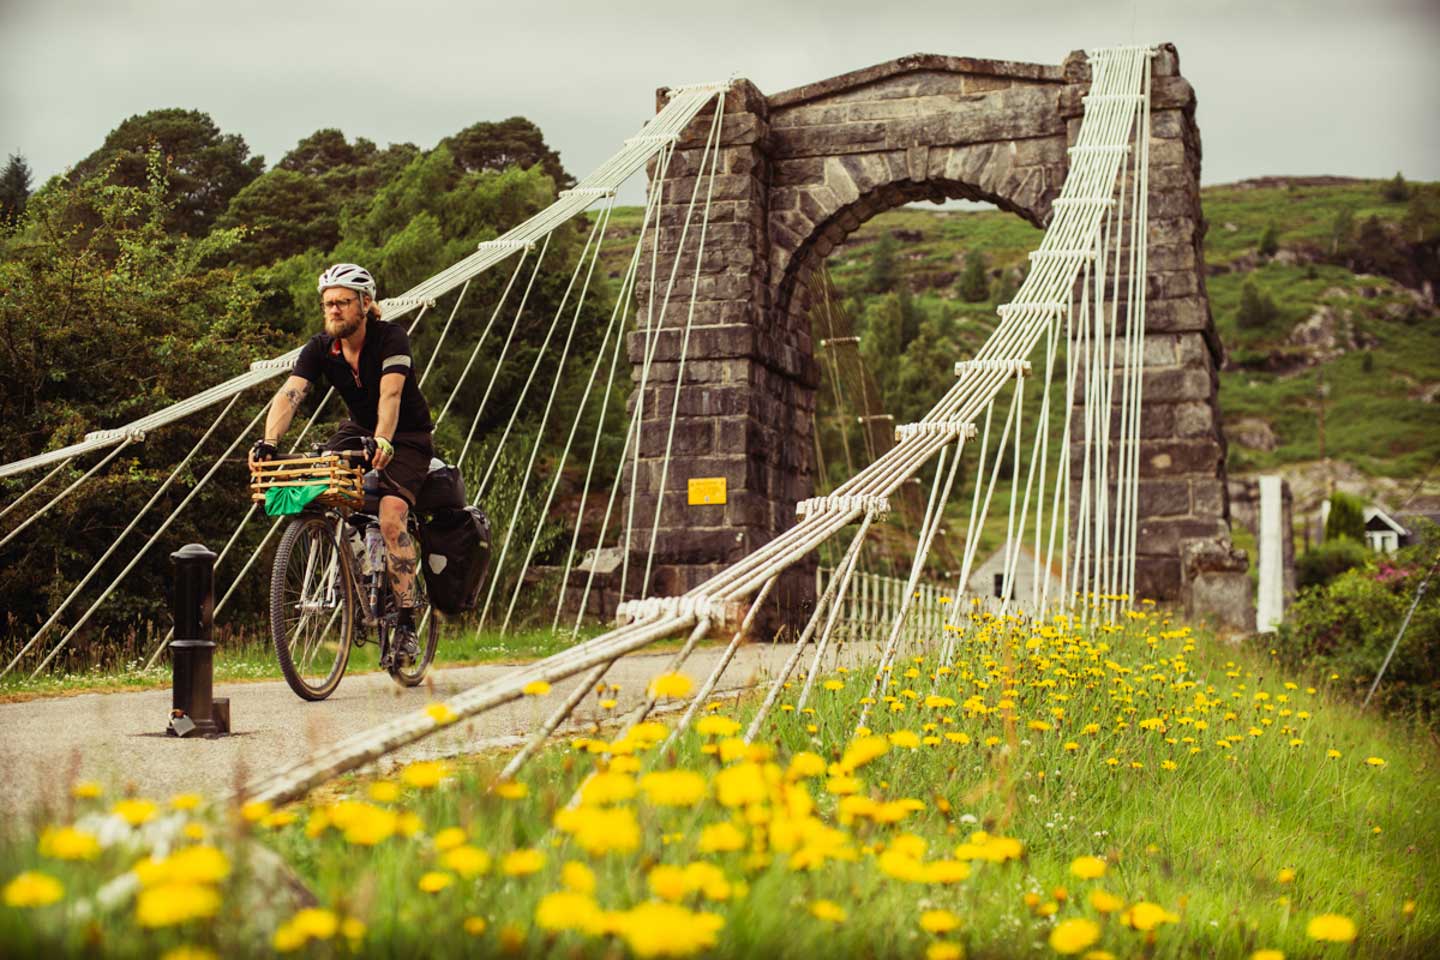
(350, 276)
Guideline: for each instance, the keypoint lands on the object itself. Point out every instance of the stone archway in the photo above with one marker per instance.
(798, 171)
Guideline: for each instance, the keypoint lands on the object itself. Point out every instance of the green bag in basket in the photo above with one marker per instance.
(284, 501)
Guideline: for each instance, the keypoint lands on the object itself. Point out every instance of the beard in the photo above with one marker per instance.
(341, 328)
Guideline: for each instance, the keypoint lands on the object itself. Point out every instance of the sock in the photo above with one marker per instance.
(407, 617)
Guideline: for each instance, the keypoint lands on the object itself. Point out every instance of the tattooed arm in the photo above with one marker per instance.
(283, 407)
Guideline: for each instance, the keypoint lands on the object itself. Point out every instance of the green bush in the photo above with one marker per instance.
(1344, 629)
(1257, 309)
(1269, 242)
(974, 282)
(1321, 564)
(1396, 190)
(1347, 517)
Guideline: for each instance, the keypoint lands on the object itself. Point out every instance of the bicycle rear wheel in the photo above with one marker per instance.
(312, 606)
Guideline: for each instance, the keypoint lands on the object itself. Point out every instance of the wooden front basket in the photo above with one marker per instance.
(344, 480)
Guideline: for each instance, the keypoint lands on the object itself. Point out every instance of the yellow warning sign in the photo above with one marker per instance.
(707, 490)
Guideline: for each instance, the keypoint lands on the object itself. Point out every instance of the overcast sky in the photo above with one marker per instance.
(1284, 86)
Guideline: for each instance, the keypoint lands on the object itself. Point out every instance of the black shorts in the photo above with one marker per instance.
(405, 474)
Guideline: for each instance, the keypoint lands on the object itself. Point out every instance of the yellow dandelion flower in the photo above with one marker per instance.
(827, 910)
(522, 863)
(1087, 867)
(135, 812)
(435, 881)
(566, 910)
(384, 791)
(187, 952)
(185, 801)
(33, 889)
(671, 685)
(441, 714)
(605, 788)
(721, 838)
(1375, 761)
(86, 790)
(1072, 936)
(535, 688)
(1286, 875)
(511, 790)
(1331, 927)
(577, 877)
(717, 726)
(466, 860)
(1332, 754)
(608, 704)
(1104, 902)
(450, 838)
(1145, 916)
(938, 921)
(943, 950)
(474, 925)
(674, 788)
(170, 904)
(68, 843)
(834, 685)
(1268, 955)
(668, 882)
(425, 774)
(316, 923)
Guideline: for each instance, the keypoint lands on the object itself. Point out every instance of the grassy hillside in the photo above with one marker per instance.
(1372, 342)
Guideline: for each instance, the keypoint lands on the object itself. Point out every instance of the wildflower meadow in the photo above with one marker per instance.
(1128, 789)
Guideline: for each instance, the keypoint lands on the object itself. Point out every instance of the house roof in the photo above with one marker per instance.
(1377, 519)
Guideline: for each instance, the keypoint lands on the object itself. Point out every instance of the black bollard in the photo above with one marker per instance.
(194, 710)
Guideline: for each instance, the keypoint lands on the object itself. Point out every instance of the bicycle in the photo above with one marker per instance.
(330, 582)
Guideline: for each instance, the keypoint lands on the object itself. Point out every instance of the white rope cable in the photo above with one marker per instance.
(134, 521)
(708, 686)
(518, 403)
(165, 525)
(653, 329)
(499, 305)
(36, 486)
(652, 205)
(64, 493)
(500, 363)
(602, 224)
(684, 345)
(444, 332)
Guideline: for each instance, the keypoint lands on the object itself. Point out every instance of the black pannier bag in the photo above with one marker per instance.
(443, 489)
(456, 556)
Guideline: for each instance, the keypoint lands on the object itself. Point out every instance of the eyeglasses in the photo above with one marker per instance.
(340, 304)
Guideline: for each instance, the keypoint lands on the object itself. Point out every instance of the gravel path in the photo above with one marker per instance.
(119, 738)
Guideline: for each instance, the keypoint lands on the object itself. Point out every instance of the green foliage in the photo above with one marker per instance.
(1396, 190)
(883, 273)
(203, 167)
(515, 142)
(975, 281)
(1342, 231)
(1326, 561)
(100, 325)
(1347, 517)
(1346, 626)
(14, 190)
(1257, 310)
(1422, 214)
(1269, 242)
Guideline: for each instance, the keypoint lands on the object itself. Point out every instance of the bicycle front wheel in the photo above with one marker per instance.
(312, 607)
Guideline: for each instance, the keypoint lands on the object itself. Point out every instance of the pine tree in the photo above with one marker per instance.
(1396, 190)
(1257, 309)
(884, 272)
(14, 189)
(1269, 241)
(975, 282)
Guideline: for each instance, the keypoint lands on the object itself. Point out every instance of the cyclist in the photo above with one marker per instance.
(368, 361)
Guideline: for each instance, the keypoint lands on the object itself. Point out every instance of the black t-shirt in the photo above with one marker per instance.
(386, 350)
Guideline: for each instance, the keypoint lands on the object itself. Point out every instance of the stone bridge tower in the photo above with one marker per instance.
(798, 172)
